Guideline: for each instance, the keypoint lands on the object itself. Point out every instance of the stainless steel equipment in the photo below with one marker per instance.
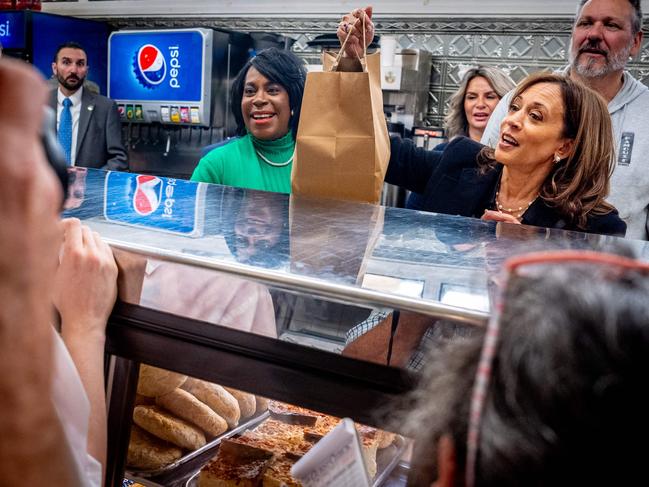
(404, 79)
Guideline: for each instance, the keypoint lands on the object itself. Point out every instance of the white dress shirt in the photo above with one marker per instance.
(73, 409)
(75, 109)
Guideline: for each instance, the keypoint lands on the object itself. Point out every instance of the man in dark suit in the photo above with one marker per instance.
(87, 124)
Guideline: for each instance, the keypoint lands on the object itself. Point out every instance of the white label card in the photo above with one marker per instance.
(335, 461)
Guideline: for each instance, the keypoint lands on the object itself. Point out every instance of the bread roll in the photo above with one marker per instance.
(262, 404)
(385, 439)
(163, 425)
(156, 382)
(146, 452)
(221, 401)
(247, 402)
(186, 406)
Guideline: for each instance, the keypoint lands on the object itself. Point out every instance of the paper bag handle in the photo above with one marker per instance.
(334, 66)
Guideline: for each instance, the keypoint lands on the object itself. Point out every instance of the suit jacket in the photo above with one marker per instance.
(99, 140)
(449, 182)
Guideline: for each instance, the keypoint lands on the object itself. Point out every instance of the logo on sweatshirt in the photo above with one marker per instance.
(626, 149)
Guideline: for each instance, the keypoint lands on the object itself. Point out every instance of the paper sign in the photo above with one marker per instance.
(335, 461)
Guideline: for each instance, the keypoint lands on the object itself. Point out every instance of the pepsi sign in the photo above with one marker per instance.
(150, 66)
(12, 30)
(166, 66)
(167, 204)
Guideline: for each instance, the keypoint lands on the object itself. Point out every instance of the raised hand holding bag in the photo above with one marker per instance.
(342, 148)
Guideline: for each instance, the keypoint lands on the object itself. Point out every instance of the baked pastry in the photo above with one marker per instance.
(186, 406)
(247, 402)
(167, 427)
(278, 437)
(146, 452)
(216, 397)
(262, 404)
(278, 473)
(369, 444)
(237, 465)
(385, 438)
(156, 382)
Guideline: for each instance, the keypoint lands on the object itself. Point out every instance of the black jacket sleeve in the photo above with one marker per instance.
(609, 224)
(117, 159)
(410, 166)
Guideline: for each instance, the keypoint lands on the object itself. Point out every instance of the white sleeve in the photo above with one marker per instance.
(492, 130)
(73, 409)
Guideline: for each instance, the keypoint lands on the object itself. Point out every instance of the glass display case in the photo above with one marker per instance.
(264, 292)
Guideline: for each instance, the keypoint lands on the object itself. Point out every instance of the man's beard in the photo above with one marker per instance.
(74, 86)
(592, 68)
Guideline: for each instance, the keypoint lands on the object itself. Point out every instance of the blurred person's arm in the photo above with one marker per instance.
(32, 442)
(86, 288)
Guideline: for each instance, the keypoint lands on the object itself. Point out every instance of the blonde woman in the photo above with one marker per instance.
(470, 107)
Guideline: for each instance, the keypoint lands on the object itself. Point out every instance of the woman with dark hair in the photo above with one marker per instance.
(553, 393)
(551, 167)
(266, 101)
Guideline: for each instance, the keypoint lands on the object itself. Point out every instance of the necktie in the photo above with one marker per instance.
(65, 130)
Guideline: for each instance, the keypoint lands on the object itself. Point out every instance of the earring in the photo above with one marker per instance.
(292, 113)
(557, 159)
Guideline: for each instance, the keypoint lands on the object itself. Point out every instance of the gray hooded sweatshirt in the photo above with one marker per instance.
(630, 182)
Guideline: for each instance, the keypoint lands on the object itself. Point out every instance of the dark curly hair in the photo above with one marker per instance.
(279, 66)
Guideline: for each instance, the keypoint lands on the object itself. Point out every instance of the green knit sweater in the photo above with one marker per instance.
(237, 164)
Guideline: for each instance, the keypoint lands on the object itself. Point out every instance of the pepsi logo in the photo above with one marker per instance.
(150, 65)
(148, 194)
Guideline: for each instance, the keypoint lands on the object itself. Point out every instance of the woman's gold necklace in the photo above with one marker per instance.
(515, 212)
(275, 164)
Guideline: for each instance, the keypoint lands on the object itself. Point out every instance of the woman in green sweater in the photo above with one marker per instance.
(266, 101)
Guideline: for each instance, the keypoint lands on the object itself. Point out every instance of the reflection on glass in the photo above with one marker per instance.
(259, 235)
(464, 297)
(76, 187)
(207, 295)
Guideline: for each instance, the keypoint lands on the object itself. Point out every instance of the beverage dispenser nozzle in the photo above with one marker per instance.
(167, 145)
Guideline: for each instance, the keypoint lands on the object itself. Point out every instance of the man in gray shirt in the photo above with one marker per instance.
(605, 35)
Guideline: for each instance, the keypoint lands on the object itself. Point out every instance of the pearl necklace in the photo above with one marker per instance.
(516, 212)
(275, 164)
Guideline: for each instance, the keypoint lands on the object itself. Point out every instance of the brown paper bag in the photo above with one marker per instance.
(342, 148)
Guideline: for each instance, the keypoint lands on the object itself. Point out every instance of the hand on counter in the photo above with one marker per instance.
(86, 289)
(499, 216)
(86, 281)
(354, 21)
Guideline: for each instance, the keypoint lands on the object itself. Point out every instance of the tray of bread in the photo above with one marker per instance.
(263, 455)
(178, 420)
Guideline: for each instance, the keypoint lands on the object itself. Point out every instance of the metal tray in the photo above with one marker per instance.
(193, 460)
(386, 460)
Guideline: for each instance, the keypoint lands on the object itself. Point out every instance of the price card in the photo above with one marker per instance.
(335, 461)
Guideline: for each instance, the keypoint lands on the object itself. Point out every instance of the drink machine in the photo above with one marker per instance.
(162, 76)
(172, 88)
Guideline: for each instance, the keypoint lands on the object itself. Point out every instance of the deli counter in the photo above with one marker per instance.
(266, 293)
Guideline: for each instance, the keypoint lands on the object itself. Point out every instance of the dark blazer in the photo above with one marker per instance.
(449, 183)
(99, 140)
